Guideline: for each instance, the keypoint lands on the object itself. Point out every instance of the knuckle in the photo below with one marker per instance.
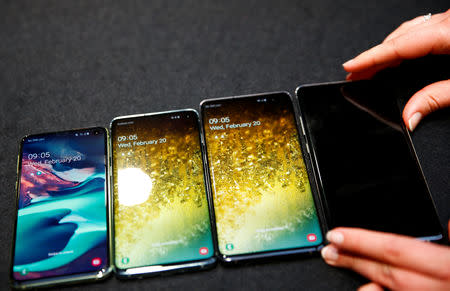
(447, 272)
(432, 102)
(347, 262)
(387, 274)
(394, 45)
(350, 262)
(392, 278)
(444, 37)
(391, 250)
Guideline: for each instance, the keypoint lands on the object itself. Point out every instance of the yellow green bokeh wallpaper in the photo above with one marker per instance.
(261, 191)
(160, 207)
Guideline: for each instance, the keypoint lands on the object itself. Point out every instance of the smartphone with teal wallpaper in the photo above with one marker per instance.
(62, 219)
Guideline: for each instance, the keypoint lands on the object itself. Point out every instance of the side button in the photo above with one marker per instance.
(301, 124)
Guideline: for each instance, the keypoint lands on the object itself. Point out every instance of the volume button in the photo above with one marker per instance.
(202, 139)
(301, 124)
(307, 148)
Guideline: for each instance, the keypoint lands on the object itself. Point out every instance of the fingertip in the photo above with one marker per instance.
(335, 236)
(330, 254)
(408, 112)
(414, 120)
(372, 286)
(425, 101)
(348, 65)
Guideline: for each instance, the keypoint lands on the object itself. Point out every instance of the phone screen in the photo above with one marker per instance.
(369, 174)
(261, 189)
(62, 213)
(161, 211)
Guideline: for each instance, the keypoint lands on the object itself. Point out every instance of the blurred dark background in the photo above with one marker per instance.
(76, 64)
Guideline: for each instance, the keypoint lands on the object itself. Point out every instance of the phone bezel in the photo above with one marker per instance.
(172, 268)
(73, 278)
(257, 256)
(316, 168)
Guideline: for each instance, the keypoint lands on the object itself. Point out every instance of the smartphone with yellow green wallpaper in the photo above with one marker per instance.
(161, 212)
(264, 196)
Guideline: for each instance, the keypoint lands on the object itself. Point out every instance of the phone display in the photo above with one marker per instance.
(62, 217)
(368, 171)
(161, 213)
(263, 200)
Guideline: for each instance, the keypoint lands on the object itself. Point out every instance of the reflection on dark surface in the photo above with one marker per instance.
(385, 113)
(368, 172)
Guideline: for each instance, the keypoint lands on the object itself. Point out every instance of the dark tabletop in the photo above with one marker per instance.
(69, 65)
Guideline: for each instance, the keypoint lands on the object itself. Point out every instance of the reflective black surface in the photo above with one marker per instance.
(367, 169)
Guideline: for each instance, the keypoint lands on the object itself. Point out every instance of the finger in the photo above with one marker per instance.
(430, 39)
(384, 274)
(371, 287)
(370, 72)
(415, 23)
(397, 250)
(427, 100)
(366, 74)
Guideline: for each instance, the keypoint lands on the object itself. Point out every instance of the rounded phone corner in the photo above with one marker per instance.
(195, 111)
(285, 92)
(225, 260)
(102, 275)
(22, 139)
(121, 274)
(14, 284)
(210, 263)
(299, 87)
(203, 102)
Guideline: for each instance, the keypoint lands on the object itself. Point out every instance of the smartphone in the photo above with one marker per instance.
(62, 218)
(369, 175)
(263, 193)
(161, 212)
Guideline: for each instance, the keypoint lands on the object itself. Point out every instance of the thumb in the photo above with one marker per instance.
(427, 100)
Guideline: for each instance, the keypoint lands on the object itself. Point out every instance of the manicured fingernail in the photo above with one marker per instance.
(348, 63)
(335, 237)
(329, 253)
(414, 120)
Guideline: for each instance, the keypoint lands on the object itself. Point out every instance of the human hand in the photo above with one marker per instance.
(416, 38)
(389, 260)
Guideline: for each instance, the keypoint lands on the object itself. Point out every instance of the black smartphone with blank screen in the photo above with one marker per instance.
(264, 201)
(161, 212)
(366, 167)
(62, 232)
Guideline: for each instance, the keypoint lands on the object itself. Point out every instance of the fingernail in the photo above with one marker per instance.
(335, 237)
(348, 63)
(414, 120)
(329, 253)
